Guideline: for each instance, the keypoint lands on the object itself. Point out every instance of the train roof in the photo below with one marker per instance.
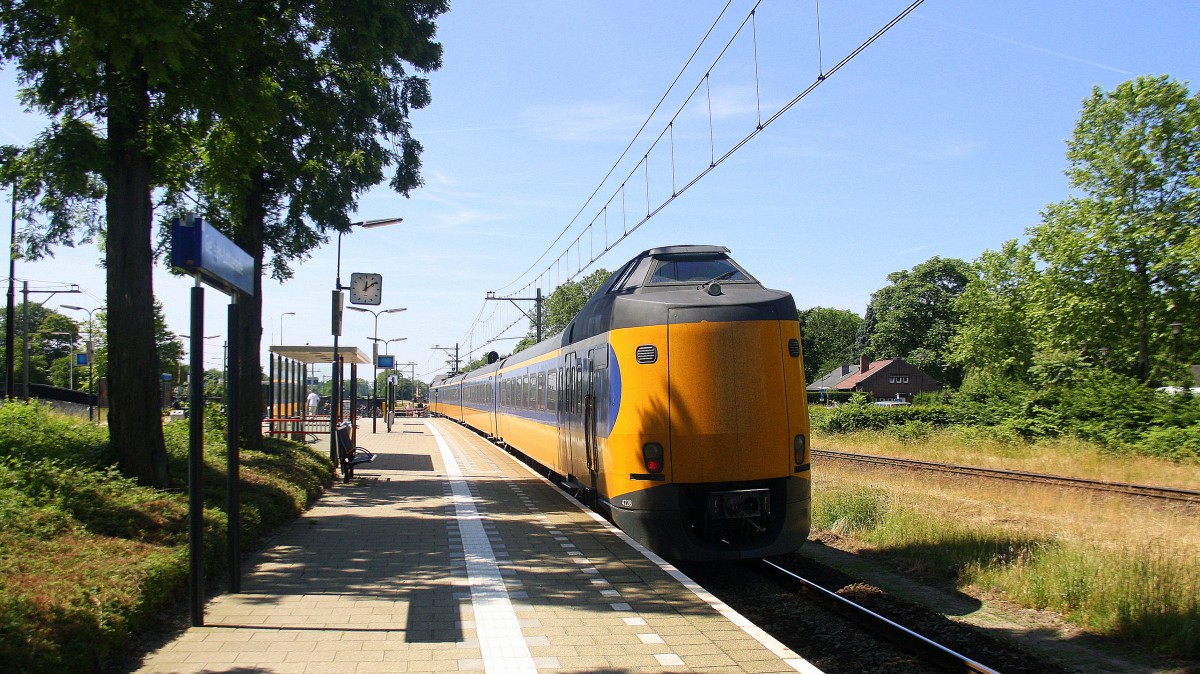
(676, 250)
(636, 294)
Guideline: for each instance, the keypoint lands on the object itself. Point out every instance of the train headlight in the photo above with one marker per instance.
(652, 455)
(799, 447)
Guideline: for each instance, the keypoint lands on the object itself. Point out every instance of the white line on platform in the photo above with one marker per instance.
(500, 640)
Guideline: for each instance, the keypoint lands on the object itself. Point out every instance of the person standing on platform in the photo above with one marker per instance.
(314, 401)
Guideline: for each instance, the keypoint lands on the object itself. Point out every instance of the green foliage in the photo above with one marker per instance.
(915, 317)
(1120, 261)
(1089, 403)
(563, 305)
(1177, 443)
(851, 418)
(827, 339)
(30, 432)
(995, 332)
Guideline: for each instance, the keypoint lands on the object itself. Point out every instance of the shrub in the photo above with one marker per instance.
(849, 511)
(1176, 444)
(87, 556)
(911, 431)
(854, 418)
(30, 431)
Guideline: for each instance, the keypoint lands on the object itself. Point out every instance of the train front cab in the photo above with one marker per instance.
(719, 397)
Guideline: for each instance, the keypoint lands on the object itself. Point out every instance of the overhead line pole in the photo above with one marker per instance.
(447, 350)
(536, 319)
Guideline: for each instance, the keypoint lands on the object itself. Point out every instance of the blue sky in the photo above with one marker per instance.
(945, 137)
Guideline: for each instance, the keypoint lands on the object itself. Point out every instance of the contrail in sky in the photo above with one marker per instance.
(1031, 47)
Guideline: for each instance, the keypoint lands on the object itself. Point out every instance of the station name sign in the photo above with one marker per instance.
(198, 248)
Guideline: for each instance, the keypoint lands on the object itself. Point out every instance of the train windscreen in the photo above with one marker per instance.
(696, 269)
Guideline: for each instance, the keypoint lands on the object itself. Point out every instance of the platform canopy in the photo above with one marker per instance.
(322, 354)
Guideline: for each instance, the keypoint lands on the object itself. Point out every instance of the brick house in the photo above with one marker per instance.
(892, 379)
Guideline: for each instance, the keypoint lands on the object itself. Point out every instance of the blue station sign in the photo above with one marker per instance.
(198, 248)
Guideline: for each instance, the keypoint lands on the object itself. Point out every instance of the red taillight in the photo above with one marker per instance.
(652, 456)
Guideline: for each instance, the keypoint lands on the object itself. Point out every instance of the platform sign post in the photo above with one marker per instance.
(197, 248)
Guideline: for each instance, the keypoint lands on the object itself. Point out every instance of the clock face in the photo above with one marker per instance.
(366, 288)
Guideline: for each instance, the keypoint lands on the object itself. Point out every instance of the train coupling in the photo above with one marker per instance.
(738, 504)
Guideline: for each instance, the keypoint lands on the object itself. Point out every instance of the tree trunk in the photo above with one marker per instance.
(135, 415)
(250, 237)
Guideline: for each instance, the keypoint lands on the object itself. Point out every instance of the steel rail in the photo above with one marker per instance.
(906, 638)
(1164, 493)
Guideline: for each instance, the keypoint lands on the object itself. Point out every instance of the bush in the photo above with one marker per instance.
(911, 431)
(88, 556)
(1176, 444)
(28, 430)
(854, 418)
(849, 511)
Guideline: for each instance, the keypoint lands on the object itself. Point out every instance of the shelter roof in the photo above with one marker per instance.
(322, 354)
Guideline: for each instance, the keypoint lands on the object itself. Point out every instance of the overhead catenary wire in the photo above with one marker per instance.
(624, 152)
(562, 269)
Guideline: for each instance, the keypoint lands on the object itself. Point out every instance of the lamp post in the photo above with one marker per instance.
(286, 313)
(336, 401)
(375, 357)
(90, 356)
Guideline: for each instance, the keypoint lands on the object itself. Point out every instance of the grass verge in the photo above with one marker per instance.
(1142, 591)
(87, 557)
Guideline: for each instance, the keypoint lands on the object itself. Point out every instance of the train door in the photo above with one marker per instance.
(591, 391)
(568, 424)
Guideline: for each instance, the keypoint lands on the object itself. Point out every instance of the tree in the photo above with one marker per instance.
(51, 338)
(563, 305)
(915, 317)
(299, 135)
(1122, 260)
(827, 338)
(125, 64)
(996, 332)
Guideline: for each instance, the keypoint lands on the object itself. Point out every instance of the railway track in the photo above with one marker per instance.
(1160, 493)
(837, 622)
(928, 649)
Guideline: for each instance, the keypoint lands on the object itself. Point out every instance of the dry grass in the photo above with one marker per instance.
(1033, 511)
(1070, 457)
(1103, 562)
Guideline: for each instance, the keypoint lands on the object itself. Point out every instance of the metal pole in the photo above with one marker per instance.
(25, 339)
(233, 504)
(334, 401)
(10, 331)
(92, 366)
(196, 462)
(539, 315)
(375, 374)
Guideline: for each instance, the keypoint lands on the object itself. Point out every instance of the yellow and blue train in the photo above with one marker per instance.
(674, 402)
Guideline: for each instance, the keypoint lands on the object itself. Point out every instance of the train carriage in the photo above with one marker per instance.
(674, 402)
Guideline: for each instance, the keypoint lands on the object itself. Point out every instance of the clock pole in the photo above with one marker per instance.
(336, 398)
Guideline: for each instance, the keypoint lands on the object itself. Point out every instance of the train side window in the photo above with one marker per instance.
(552, 390)
(542, 391)
(568, 386)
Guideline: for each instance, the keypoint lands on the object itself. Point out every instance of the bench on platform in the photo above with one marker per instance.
(350, 456)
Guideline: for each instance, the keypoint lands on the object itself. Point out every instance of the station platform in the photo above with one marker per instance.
(446, 554)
